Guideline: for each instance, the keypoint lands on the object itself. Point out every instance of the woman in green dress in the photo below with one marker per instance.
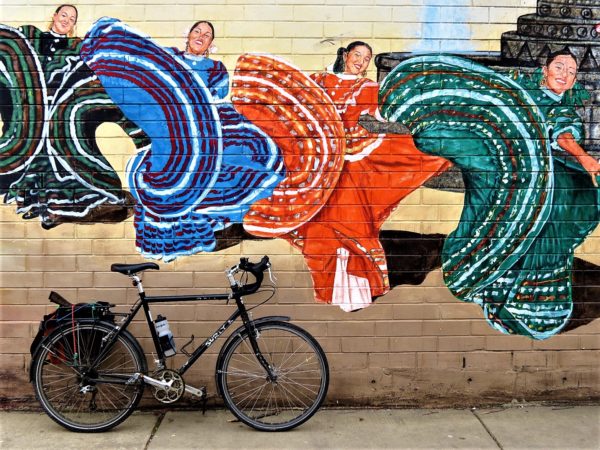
(51, 166)
(530, 188)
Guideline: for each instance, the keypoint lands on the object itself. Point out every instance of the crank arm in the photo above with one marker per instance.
(149, 380)
(195, 391)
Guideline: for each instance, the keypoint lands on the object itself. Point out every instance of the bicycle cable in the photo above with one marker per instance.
(264, 288)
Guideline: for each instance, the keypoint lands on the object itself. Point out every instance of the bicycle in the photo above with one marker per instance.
(89, 374)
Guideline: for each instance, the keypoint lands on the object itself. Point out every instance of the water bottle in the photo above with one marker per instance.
(165, 337)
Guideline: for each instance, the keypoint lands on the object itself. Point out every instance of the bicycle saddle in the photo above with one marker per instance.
(132, 269)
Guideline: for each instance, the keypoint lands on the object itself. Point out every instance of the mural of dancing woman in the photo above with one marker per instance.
(340, 239)
(530, 189)
(51, 166)
(207, 164)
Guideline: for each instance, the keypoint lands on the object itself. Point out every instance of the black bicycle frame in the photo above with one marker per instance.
(144, 302)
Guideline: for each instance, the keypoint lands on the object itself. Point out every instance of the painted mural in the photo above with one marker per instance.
(51, 166)
(525, 210)
(207, 163)
(288, 158)
(339, 237)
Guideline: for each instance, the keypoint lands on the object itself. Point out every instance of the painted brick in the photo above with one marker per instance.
(362, 14)
(12, 230)
(19, 13)
(68, 247)
(16, 346)
(412, 343)
(365, 344)
(407, 14)
(220, 13)
(21, 313)
(459, 311)
(397, 359)
(508, 343)
(101, 231)
(589, 342)
(461, 343)
(560, 342)
(298, 29)
(311, 13)
(398, 328)
(15, 263)
(15, 330)
(507, 15)
(268, 12)
(111, 247)
(530, 360)
(248, 29)
(587, 358)
(345, 361)
(351, 329)
(67, 279)
(416, 341)
(21, 279)
(448, 360)
(489, 361)
(64, 231)
(63, 263)
(16, 296)
(20, 247)
(182, 13)
(12, 363)
(441, 327)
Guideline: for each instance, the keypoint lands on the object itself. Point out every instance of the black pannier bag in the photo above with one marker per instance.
(64, 315)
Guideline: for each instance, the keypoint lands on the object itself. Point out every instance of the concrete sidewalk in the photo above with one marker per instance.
(527, 427)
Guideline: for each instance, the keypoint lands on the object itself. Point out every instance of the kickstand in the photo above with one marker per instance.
(203, 389)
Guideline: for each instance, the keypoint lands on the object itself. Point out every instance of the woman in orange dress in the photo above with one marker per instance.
(340, 241)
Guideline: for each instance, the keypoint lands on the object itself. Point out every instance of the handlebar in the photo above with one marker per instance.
(256, 269)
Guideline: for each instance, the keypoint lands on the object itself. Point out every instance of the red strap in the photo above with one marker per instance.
(73, 331)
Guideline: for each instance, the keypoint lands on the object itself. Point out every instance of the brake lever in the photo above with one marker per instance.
(272, 277)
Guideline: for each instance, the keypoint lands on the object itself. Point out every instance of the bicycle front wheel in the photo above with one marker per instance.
(296, 393)
(76, 391)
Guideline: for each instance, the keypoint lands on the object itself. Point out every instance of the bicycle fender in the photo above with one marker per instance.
(260, 320)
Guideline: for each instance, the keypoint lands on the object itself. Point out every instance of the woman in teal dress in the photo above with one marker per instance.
(530, 189)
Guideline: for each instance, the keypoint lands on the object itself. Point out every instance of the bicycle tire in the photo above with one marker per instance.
(302, 377)
(62, 367)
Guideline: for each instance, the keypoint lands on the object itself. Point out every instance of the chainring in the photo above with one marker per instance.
(176, 386)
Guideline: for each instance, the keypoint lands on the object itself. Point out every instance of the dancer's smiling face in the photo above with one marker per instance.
(560, 74)
(64, 20)
(357, 60)
(199, 39)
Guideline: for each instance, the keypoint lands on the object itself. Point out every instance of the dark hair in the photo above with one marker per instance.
(564, 52)
(212, 29)
(70, 6)
(339, 65)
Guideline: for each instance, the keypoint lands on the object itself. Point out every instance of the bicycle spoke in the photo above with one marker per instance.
(85, 398)
(294, 394)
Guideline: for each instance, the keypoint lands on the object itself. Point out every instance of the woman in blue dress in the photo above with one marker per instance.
(207, 164)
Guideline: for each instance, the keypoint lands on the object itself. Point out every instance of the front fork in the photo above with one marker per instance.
(253, 335)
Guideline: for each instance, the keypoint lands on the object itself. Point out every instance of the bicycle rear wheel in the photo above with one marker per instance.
(299, 389)
(81, 395)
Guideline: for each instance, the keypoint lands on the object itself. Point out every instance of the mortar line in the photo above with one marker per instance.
(155, 429)
(487, 429)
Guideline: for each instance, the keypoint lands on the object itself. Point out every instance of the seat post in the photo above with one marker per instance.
(137, 282)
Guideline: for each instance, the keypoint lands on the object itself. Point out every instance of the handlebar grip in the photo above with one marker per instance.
(256, 269)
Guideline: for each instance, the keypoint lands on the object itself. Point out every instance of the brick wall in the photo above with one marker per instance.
(417, 345)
